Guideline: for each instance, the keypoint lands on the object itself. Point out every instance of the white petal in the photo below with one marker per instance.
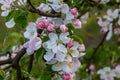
(64, 37)
(62, 48)
(108, 18)
(75, 53)
(81, 54)
(29, 51)
(10, 23)
(5, 13)
(69, 16)
(48, 56)
(109, 12)
(35, 43)
(109, 35)
(51, 44)
(116, 13)
(57, 67)
(55, 49)
(44, 7)
(56, 7)
(65, 8)
(53, 37)
(60, 56)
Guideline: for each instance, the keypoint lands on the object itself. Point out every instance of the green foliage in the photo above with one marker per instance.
(19, 18)
(39, 54)
(47, 73)
(12, 39)
(2, 74)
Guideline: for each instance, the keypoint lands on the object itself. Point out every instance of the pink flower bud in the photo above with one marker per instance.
(81, 47)
(115, 64)
(63, 28)
(41, 25)
(117, 31)
(70, 44)
(66, 76)
(46, 22)
(92, 67)
(51, 27)
(102, 32)
(74, 11)
(77, 23)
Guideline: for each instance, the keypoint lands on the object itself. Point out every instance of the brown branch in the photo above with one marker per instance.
(8, 61)
(41, 13)
(30, 63)
(98, 46)
(15, 63)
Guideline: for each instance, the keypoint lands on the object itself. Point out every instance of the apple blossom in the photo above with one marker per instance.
(70, 44)
(74, 11)
(31, 31)
(81, 47)
(63, 28)
(77, 23)
(32, 45)
(117, 31)
(41, 25)
(117, 71)
(102, 32)
(115, 64)
(84, 17)
(92, 67)
(106, 73)
(66, 76)
(51, 27)
(112, 14)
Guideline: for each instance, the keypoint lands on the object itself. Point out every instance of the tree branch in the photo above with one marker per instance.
(8, 61)
(30, 63)
(41, 13)
(15, 63)
(98, 46)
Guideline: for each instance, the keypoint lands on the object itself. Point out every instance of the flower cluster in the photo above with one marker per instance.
(109, 74)
(61, 51)
(108, 24)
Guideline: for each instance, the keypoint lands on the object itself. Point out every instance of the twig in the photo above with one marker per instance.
(30, 63)
(41, 13)
(6, 61)
(15, 63)
(98, 46)
(29, 2)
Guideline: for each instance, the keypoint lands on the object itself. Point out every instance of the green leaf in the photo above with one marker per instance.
(11, 15)
(20, 18)
(12, 39)
(2, 74)
(39, 54)
(46, 73)
(77, 38)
